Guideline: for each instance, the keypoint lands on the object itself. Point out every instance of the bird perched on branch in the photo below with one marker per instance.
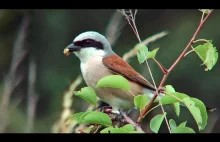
(99, 60)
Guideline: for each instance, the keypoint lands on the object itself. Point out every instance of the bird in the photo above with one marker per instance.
(97, 60)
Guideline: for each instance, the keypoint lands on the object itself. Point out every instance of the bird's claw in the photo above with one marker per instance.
(106, 109)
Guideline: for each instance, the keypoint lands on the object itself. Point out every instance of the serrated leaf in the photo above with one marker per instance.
(194, 111)
(173, 97)
(114, 81)
(152, 54)
(183, 124)
(141, 101)
(183, 130)
(169, 89)
(208, 54)
(128, 127)
(172, 124)
(156, 122)
(141, 53)
(88, 94)
(211, 58)
(203, 111)
(94, 117)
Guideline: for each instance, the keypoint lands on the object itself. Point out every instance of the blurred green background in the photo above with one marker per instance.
(50, 31)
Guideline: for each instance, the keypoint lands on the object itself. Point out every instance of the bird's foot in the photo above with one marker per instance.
(106, 109)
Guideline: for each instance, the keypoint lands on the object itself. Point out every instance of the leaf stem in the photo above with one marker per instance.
(188, 52)
(163, 69)
(200, 40)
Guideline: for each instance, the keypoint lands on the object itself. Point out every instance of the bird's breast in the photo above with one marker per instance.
(93, 70)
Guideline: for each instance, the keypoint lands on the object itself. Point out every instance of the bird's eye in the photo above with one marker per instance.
(87, 41)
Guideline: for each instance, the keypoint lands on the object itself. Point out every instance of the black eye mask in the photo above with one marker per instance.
(89, 43)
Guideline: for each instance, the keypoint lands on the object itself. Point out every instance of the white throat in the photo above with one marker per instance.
(85, 53)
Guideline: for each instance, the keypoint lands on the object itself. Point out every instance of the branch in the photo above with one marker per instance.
(147, 107)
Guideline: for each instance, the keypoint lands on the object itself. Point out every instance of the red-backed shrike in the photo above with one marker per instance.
(99, 60)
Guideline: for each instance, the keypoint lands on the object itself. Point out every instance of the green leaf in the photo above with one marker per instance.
(194, 111)
(77, 116)
(141, 101)
(211, 58)
(208, 54)
(173, 97)
(141, 53)
(183, 124)
(183, 130)
(114, 81)
(206, 11)
(176, 107)
(152, 54)
(156, 122)
(88, 94)
(169, 89)
(141, 57)
(203, 111)
(125, 129)
(95, 118)
(113, 130)
(172, 124)
(136, 132)
(128, 127)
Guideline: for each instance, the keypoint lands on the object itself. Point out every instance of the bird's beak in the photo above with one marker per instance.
(71, 48)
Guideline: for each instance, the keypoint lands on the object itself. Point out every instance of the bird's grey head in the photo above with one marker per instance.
(90, 44)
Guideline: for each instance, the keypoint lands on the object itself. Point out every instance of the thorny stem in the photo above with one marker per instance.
(174, 65)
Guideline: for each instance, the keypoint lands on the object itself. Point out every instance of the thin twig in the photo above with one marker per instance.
(130, 121)
(32, 97)
(113, 30)
(60, 126)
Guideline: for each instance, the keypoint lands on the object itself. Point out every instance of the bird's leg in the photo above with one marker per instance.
(106, 109)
